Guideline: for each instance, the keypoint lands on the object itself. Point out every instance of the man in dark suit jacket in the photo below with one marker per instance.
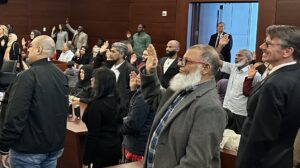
(273, 119)
(122, 70)
(169, 63)
(215, 38)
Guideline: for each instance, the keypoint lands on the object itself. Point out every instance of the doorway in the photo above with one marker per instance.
(240, 21)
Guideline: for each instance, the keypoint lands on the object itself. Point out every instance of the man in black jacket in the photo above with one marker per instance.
(215, 38)
(35, 123)
(169, 63)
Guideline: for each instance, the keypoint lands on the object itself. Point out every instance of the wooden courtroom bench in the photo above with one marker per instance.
(74, 142)
(74, 147)
(60, 64)
(228, 158)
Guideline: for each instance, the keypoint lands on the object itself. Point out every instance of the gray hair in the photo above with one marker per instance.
(209, 55)
(121, 48)
(289, 36)
(247, 54)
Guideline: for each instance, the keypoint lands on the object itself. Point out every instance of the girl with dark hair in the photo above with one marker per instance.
(102, 118)
(83, 91)
(82, 57)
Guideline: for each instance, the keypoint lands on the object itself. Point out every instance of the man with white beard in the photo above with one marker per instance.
(189, 120)
(235, 102)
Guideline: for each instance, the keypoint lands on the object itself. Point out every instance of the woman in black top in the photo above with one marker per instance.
(3, 42)
(82, 91)
(102, 118)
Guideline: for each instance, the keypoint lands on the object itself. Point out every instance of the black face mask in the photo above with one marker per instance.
(170, 53)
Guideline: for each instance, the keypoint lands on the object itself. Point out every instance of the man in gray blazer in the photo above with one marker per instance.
(189, 121)
(80, 38)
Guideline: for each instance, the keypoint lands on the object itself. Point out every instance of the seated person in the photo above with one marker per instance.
(102, 118)
(66, 54)
(82, 57)
(72, 74)
(82, 91)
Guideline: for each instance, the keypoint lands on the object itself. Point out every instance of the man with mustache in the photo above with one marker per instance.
(235, 101)
(273, 106)
(169, 62)
(189, 120)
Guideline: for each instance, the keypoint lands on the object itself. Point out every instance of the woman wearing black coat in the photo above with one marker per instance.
(102, 118)
(83, 91)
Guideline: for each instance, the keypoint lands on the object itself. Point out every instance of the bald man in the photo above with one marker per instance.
(169, 62)
(35, 124)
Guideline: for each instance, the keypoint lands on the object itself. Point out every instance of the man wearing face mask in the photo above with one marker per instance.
(169, 63)
(235, 102)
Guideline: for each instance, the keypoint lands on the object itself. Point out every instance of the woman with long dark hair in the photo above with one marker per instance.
(102, 118)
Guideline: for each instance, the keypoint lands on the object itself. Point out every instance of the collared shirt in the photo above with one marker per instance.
(114, 68)
(168, 63)
(234, 99)
(281, 65)
(160, 126)
(66, 56)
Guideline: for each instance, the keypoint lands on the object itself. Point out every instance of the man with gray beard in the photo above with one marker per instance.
(189, 120)
(235, 102)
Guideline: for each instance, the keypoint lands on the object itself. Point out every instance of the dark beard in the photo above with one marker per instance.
(110, 63)
(170, 54)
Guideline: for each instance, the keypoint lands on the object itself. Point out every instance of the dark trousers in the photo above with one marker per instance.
(235, 122)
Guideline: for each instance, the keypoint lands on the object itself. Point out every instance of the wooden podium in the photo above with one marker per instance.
(74, 142)
(60, 64)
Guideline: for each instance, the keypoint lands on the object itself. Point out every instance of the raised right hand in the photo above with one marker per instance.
(53, 29)
(23, 42)
(128, 34)
(67, 20)
(224, 41)
(251, 71)
(152, 60)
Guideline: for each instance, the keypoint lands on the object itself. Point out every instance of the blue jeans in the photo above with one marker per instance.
(25, 160)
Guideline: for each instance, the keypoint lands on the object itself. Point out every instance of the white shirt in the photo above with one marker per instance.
(168, 63)
(66, 57)
(234, 99)
(114, 68)
(280, 66)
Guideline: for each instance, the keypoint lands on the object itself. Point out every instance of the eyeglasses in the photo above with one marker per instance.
(268, 43)
(183, 61)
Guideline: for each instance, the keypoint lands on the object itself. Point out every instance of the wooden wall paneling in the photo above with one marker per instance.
(33, 14)
(161, 29)
(101, 19)
(181, 23)
(266, 17)
(287, 12)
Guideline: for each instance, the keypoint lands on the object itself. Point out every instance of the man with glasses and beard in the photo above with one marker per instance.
(169, 63)
(235, 101)
(189, 120)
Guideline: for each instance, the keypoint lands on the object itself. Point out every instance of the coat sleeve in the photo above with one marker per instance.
(204, 139)
(136, 116)
(70, 28)
(151, 90)
(247, 86)
(17, 111)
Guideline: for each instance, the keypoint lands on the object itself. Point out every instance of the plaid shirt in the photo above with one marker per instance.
(160, 126)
